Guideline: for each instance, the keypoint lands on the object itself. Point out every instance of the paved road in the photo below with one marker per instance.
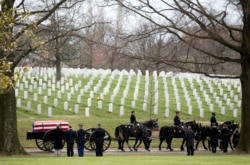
(114, 151)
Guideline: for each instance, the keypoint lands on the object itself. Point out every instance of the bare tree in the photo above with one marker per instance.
(193, 22)
(63, 31)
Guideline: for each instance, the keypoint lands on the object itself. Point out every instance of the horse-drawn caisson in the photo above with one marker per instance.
(139, 132)
(42, 133)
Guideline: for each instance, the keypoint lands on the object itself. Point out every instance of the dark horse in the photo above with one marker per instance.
(140, 131)
(169, 132)
(205, 134)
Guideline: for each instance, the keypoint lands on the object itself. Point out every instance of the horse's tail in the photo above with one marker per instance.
(162, 132)
(117, 132)
(121, 132)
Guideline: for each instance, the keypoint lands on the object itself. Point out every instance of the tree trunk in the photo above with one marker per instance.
(58, 61)
(9, 140)
(244, 145)
(58, 68)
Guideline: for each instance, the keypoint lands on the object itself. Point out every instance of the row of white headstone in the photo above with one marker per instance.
(66, 85)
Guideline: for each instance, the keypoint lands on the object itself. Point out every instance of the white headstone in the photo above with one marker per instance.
(65, 105)
(190, 110)
(25, 95)
(49, 92)
(112, 98)
(71, 82)
(40, 90)
(45, 99)
(67, 86)
(211, 107)
(79, 99)
(59, 94)
(76, 87)
(167, 112)
(101, 96)
(239, 89)
(178, 106)
(29, 106)
(21, 86)
(223, 110)
(72, 90)
(91, 94)
(49, 112)
(62, 88)
(35, 96)
(44, 85)
(30, 88)
(110, 107)
(76, 108)
(144, 106)
(18, 103)
(239, 103)
(225, 96)
(122, 101)
(231, 106)
(235, 113)
(49, 83)
(201, 112)
(133, 103)
(87, 111)
(16, 92)
(82, 92)
(68, 96)
(99, 104)
(55, 102)
(39, 109)
(236, 98)
(40, 82)
(121, 110)
(155, 109)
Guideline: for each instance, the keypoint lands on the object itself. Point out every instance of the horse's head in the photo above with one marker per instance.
(234, 126)
(230, 122)
(196, 127)
(152, 124)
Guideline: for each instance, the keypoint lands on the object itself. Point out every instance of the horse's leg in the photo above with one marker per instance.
(204, 145)
(197, 144)
(140, 141)
(161, 140)
(121, 144)
(135, 147)
(147, 144)
(169, 141)
(220, 145)
(209, 145)
(126, 140)
(182, 144)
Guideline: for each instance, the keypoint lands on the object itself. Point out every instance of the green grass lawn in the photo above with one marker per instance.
(136, 159)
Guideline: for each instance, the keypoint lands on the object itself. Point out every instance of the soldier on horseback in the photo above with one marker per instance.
(132, 117)
(133, 120)
(177, 120)
(213, 120)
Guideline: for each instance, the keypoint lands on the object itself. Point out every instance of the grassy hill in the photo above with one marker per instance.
(153, 95)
